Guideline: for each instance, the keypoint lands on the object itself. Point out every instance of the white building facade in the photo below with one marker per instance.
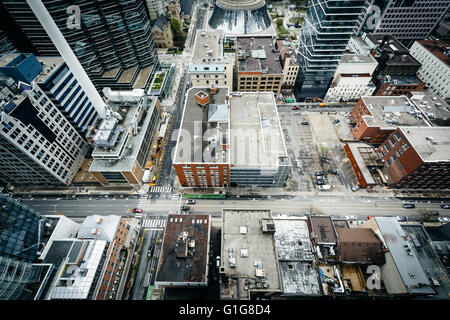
(435, 70)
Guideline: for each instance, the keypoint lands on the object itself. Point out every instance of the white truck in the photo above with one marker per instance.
(325, 187)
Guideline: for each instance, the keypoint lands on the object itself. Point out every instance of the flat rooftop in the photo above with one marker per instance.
(295, 257)
(400, 80)
(434, 107)
(256, 134)
(287, 51)
(103, 155)
(208, 47)
(436, 150)
(427, 258)
(323, 229)
(406, 262)
(260, 55)
(357, 58)
(193, 143)
(185, 247)
(49, 65)
(251, 251)
(392, 111)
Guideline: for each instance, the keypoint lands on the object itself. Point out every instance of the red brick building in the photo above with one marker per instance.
(376, 117)
(417, 157)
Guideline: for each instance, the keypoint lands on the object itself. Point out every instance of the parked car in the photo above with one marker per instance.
(305, 123)
(445, 206)
(185, 208)
(336, 121)
(218, 261)
(319, 173)
(444, 219)
(321, 182)
(137, 210)
(432, 213)
(333, 171)
(351, 218)
(295, 108)
(190, 201)
(409, 206)
(402, 218)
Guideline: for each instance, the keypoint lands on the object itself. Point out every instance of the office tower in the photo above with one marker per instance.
(240, 17)
(325, 34)
(39, 145)
(113, 42)
(21, 232)
(406, 20)
(5, 45)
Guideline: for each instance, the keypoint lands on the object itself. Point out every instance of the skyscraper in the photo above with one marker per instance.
(326, 31)
(38, 143)
(21, 232)
(112, 39)
(406, 20)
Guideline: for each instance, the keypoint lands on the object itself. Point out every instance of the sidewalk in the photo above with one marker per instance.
(88, 191)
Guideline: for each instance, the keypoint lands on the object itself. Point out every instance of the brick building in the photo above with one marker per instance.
(374, 118)
(417, 157)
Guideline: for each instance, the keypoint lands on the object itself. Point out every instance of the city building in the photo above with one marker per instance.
(249, 265)
(230, 140)
(353, 78)
(417, 157)
(433, 108)
(6, 46)
(174, 11)
(40, 145)
(114, 230)
(156, 8)
(123, 141)
(324, 239)
(258, 65)
(114, 44)
(162, 33)
(435, 69)
(402, 273)
(406, 20)
(365, 163)
(396, 71)
(324, 37)
(21, 236)
(374, 118)
(289, 63)
(209, 65)
(240, 17)
(184, 258)
(295, 253)
(360, 246)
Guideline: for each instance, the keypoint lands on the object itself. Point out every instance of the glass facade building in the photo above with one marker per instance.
(111, 39)
(21, 232)
(326, 31)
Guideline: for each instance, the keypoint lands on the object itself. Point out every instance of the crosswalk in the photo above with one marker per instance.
(176, 196)
(158, 224)
(161, 189)
(141, 204)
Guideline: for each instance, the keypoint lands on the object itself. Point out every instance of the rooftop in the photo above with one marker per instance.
(122, 155)
(434, 107)
(99, 227)
(405, 259)
(400, 79)
(208, 47)
(256, 134)
(365, 156)
(357, 58)
(360, 245)
(257, 55)
(323, 229)
(391, 45)
(199, 138)
(49, 65)
(287, 51)
(438, 48)
(248, 252)
(431, 143)
(295, 257)
(392, 111)
(184, 252)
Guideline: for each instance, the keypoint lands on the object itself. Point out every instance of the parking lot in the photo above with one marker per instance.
(314, 144)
